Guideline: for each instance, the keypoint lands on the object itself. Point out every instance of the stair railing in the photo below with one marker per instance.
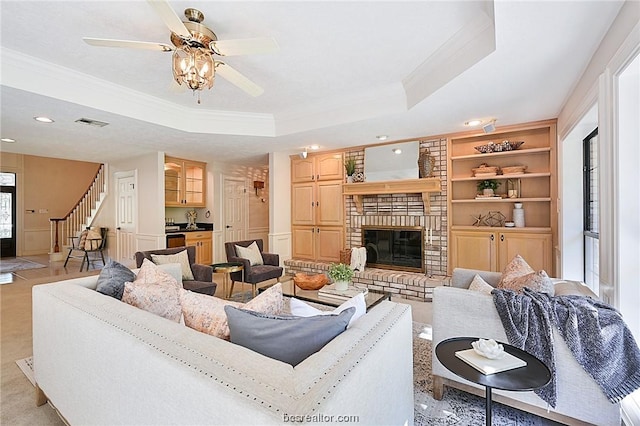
(79, 217)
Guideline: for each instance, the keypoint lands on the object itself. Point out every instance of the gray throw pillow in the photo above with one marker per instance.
(289, 339)
(112, 278)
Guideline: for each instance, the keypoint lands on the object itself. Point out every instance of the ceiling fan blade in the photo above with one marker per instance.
(238, 79)
(105, 42)
(244, 46)
(168, 15)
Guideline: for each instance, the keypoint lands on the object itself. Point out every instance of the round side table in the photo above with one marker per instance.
(226, 269)
(532, 376)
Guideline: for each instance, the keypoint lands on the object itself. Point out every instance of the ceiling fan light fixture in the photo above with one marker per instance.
(194, 67)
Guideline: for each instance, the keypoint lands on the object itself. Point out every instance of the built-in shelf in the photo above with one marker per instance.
(502, 153)
(512, 176)
(424, 186)
(500, 228)
(501, 200)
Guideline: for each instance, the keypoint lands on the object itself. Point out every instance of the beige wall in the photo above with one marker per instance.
(49, 187)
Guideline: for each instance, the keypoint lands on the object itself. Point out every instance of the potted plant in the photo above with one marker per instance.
(341, 275)
(488, 186)
(350, 167)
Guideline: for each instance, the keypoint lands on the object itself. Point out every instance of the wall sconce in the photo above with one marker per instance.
(258, 184)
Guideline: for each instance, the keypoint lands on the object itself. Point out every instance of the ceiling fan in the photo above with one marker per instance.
(194, 46)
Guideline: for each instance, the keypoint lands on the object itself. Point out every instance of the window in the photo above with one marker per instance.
(6, 204)
(591, 204)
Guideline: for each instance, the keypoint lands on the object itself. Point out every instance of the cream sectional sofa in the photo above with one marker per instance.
(458, 311)
(101, 361)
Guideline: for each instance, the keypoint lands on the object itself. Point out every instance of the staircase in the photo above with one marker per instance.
(81, 216)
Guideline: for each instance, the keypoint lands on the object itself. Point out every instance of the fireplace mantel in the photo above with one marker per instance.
(424, 186)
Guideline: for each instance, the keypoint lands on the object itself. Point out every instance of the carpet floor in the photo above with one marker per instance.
(456, 407)
(12, 264)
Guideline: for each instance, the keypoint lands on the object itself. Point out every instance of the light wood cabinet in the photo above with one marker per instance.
(471, 246)
(317, 243)
(203, 242)
(317, 207)
(184, 183)
(317, 167)
(492, 250)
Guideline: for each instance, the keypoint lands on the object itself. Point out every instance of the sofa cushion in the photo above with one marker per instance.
(289, 339)
(252, 252)
(478, 284)
(150, 273)
(181, 257)
(158, 298)
(302, 309)
(518, 274)
(206, 313)
(112, 278)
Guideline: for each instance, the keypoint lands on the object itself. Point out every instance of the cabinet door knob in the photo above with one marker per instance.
(501, 237)
(491, 237)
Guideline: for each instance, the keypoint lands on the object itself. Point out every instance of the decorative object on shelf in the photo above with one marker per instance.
(426, 164)
(518, 215)
(478, 220)
(192, 215)
(358, 177)
(341, 275)
(490, 147)
(488, 348)
(513, 188)
(509, 225)
(350, 168)
(488, 186)
(310, 282)
(513, 170)
(494, 218)
(485, 170)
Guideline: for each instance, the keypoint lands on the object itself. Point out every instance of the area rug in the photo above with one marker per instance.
(12, 264)
(456, 407)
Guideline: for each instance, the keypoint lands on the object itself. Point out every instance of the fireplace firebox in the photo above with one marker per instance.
(394, 247)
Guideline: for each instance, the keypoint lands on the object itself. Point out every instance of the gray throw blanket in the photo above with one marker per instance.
(594, 332)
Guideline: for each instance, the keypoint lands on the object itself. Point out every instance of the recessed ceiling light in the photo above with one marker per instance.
(397, 151)
(314, 147)
(8, 140)
(43, 119)
(382, 137)
(474, 122)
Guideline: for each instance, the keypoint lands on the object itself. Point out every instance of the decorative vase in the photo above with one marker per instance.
(341, 285)
(426, 164)
(487, 192)
(350, 179)
(518, 215)
(358, 177)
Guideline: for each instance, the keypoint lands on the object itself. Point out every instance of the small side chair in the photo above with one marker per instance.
(82, 247)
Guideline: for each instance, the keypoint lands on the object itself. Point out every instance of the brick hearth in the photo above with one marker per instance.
(407, 285)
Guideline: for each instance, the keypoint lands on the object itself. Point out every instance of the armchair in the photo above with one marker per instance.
(86, 243)
(253, 274)
(203, 274)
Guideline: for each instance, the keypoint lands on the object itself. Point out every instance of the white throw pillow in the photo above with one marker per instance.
(301, 309)
(478, 284)
(181, 257)
(252, 253)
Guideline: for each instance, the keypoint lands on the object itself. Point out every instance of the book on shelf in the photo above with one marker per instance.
(490, 366)
(331, 292)
(488, 197)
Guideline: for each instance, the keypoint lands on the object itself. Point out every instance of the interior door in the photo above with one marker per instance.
(8, 215)
(234, 209)
(126, 218)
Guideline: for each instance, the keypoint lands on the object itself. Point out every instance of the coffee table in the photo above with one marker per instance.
(289, 289)
(532, 376)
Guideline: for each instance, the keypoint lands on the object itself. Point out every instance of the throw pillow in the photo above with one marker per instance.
(288, 339)
(112, 278)
(537, 281)
(92, 240)
(252, 253)
(269, 301)
(480, 285)
(302, 309)
(159, 299)
(514, 269)
(83, 239)
(182, 257)
(150, 273)
(206, 313)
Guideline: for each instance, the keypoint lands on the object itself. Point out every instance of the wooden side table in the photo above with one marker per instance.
(532, 376)
(227, 269)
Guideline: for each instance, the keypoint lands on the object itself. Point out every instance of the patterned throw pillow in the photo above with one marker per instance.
(252, 252)
(83, 239)
(150, 273)
(112, 278)
(206, 313)
(269, 301)
(518, 274)
(157, 298)
(182, 257)
(93, 240)
(480, 285)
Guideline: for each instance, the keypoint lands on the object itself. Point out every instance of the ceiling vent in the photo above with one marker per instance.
(90, 122)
